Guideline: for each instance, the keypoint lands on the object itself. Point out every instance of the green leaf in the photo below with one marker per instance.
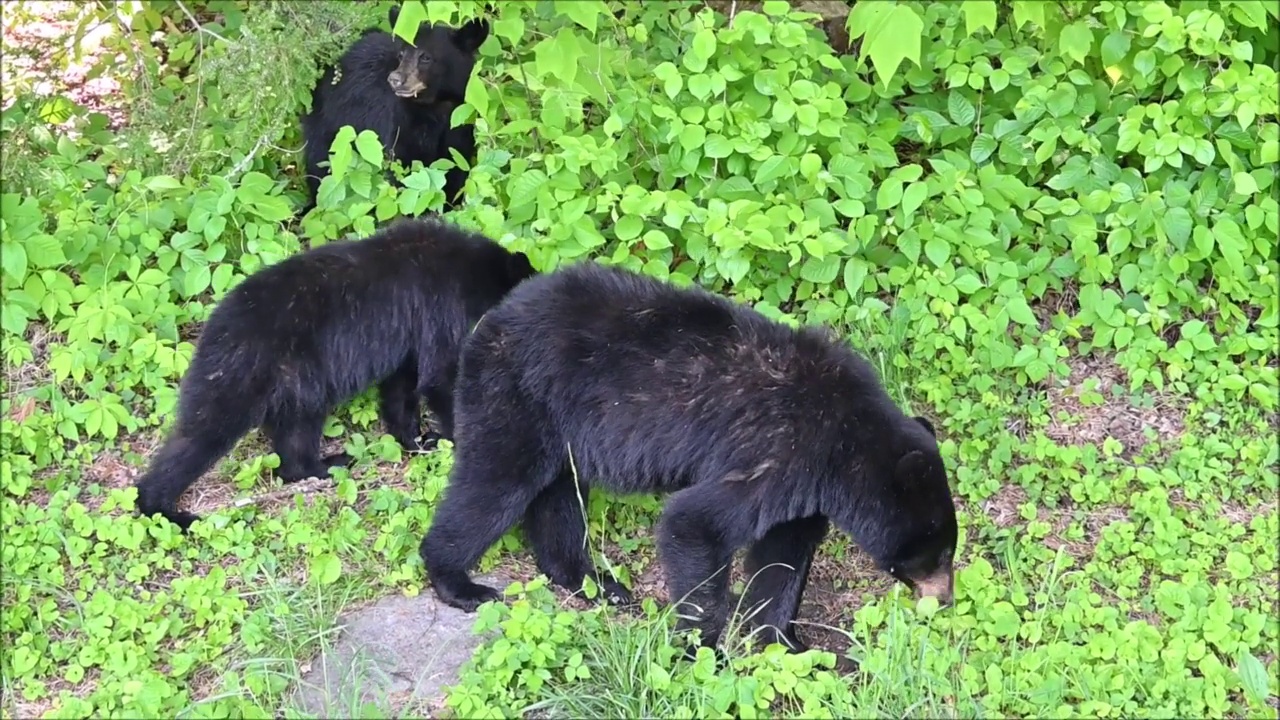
(820, 271)
(1028, 11)
(889, 194)
(326, 568)
(412, 14)
(1076, 41)
(1177, 225)
(914, 197)
(670, 77)
(523, 188)
(968, 283)
(700, 50)
(1253, 677)
(584, 12)
(693, 136)
(771, 169)
(1245, 184)
(628, 227)
(159, 183)
(1115, 47)
(979, 13)
(982, 148)
(45, 251)
(855, 274)
(700, 86)
(369, 147)
(13, 258)
(1019, 311)
(961, 110)
(196, 280)
(937, 250)
(894, 38)
(718, 146)
(999, 79)
(509, 28)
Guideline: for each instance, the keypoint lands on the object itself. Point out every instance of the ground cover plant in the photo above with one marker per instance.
(1052, 227)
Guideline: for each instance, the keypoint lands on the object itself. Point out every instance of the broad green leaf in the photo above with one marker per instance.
(820, 271)
(1245, 184)
(45, 251)
(1019, 311)
(584, 12)
(693, 136)
(961, 110)
(509, 28)
(1115, 47)
(628, 227)
(13, 258)
(914, 197)
(672, 80)
(700, 86)
(889, 194)
(982, 148)
(937, 250)
(968, 283)
(771, 169)
(1028, 11)
(855, 274)
(895, 38)
(718, 146)
(979, 13)
(369, 147)
(412, 14)
(1177, 225)
(326, 568)
(158, 183)
(999, 79)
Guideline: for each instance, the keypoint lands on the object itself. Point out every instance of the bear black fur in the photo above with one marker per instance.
(762, 432)
(295, 339)
(404, 94)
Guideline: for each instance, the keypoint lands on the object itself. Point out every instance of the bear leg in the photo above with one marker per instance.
(399, 405)
(777, 568)
(493, 482)
(555, 526)
(185, 456)
(696, 539)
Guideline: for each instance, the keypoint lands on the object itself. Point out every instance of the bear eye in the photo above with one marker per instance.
(424, 60)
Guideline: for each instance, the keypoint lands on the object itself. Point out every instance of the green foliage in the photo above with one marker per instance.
(992, 199)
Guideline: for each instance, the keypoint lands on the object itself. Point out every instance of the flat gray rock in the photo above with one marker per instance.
(397, 650)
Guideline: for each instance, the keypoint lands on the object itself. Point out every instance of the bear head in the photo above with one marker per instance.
(438, 65)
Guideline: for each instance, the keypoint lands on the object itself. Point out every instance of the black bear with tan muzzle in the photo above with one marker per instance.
(405, 93)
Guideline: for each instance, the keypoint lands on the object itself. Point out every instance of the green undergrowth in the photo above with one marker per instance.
(1051, 226)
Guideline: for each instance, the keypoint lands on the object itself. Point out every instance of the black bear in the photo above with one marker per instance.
(294, 339)
(762, 432)
(404, 93)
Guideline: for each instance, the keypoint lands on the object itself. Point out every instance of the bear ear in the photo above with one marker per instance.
(518, 267)
(392, 14)
(472, 35)
(912, 469)
(927, 425)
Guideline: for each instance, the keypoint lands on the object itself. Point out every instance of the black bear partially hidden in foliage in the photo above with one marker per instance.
(404, 93)
(294, 339)
(763, 433)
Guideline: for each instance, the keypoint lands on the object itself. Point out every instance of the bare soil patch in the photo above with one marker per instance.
(1076, 420)
(833, 12)
(43, 50)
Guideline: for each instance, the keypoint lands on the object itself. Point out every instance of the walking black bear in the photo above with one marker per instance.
(294, 339)
(763, 434)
